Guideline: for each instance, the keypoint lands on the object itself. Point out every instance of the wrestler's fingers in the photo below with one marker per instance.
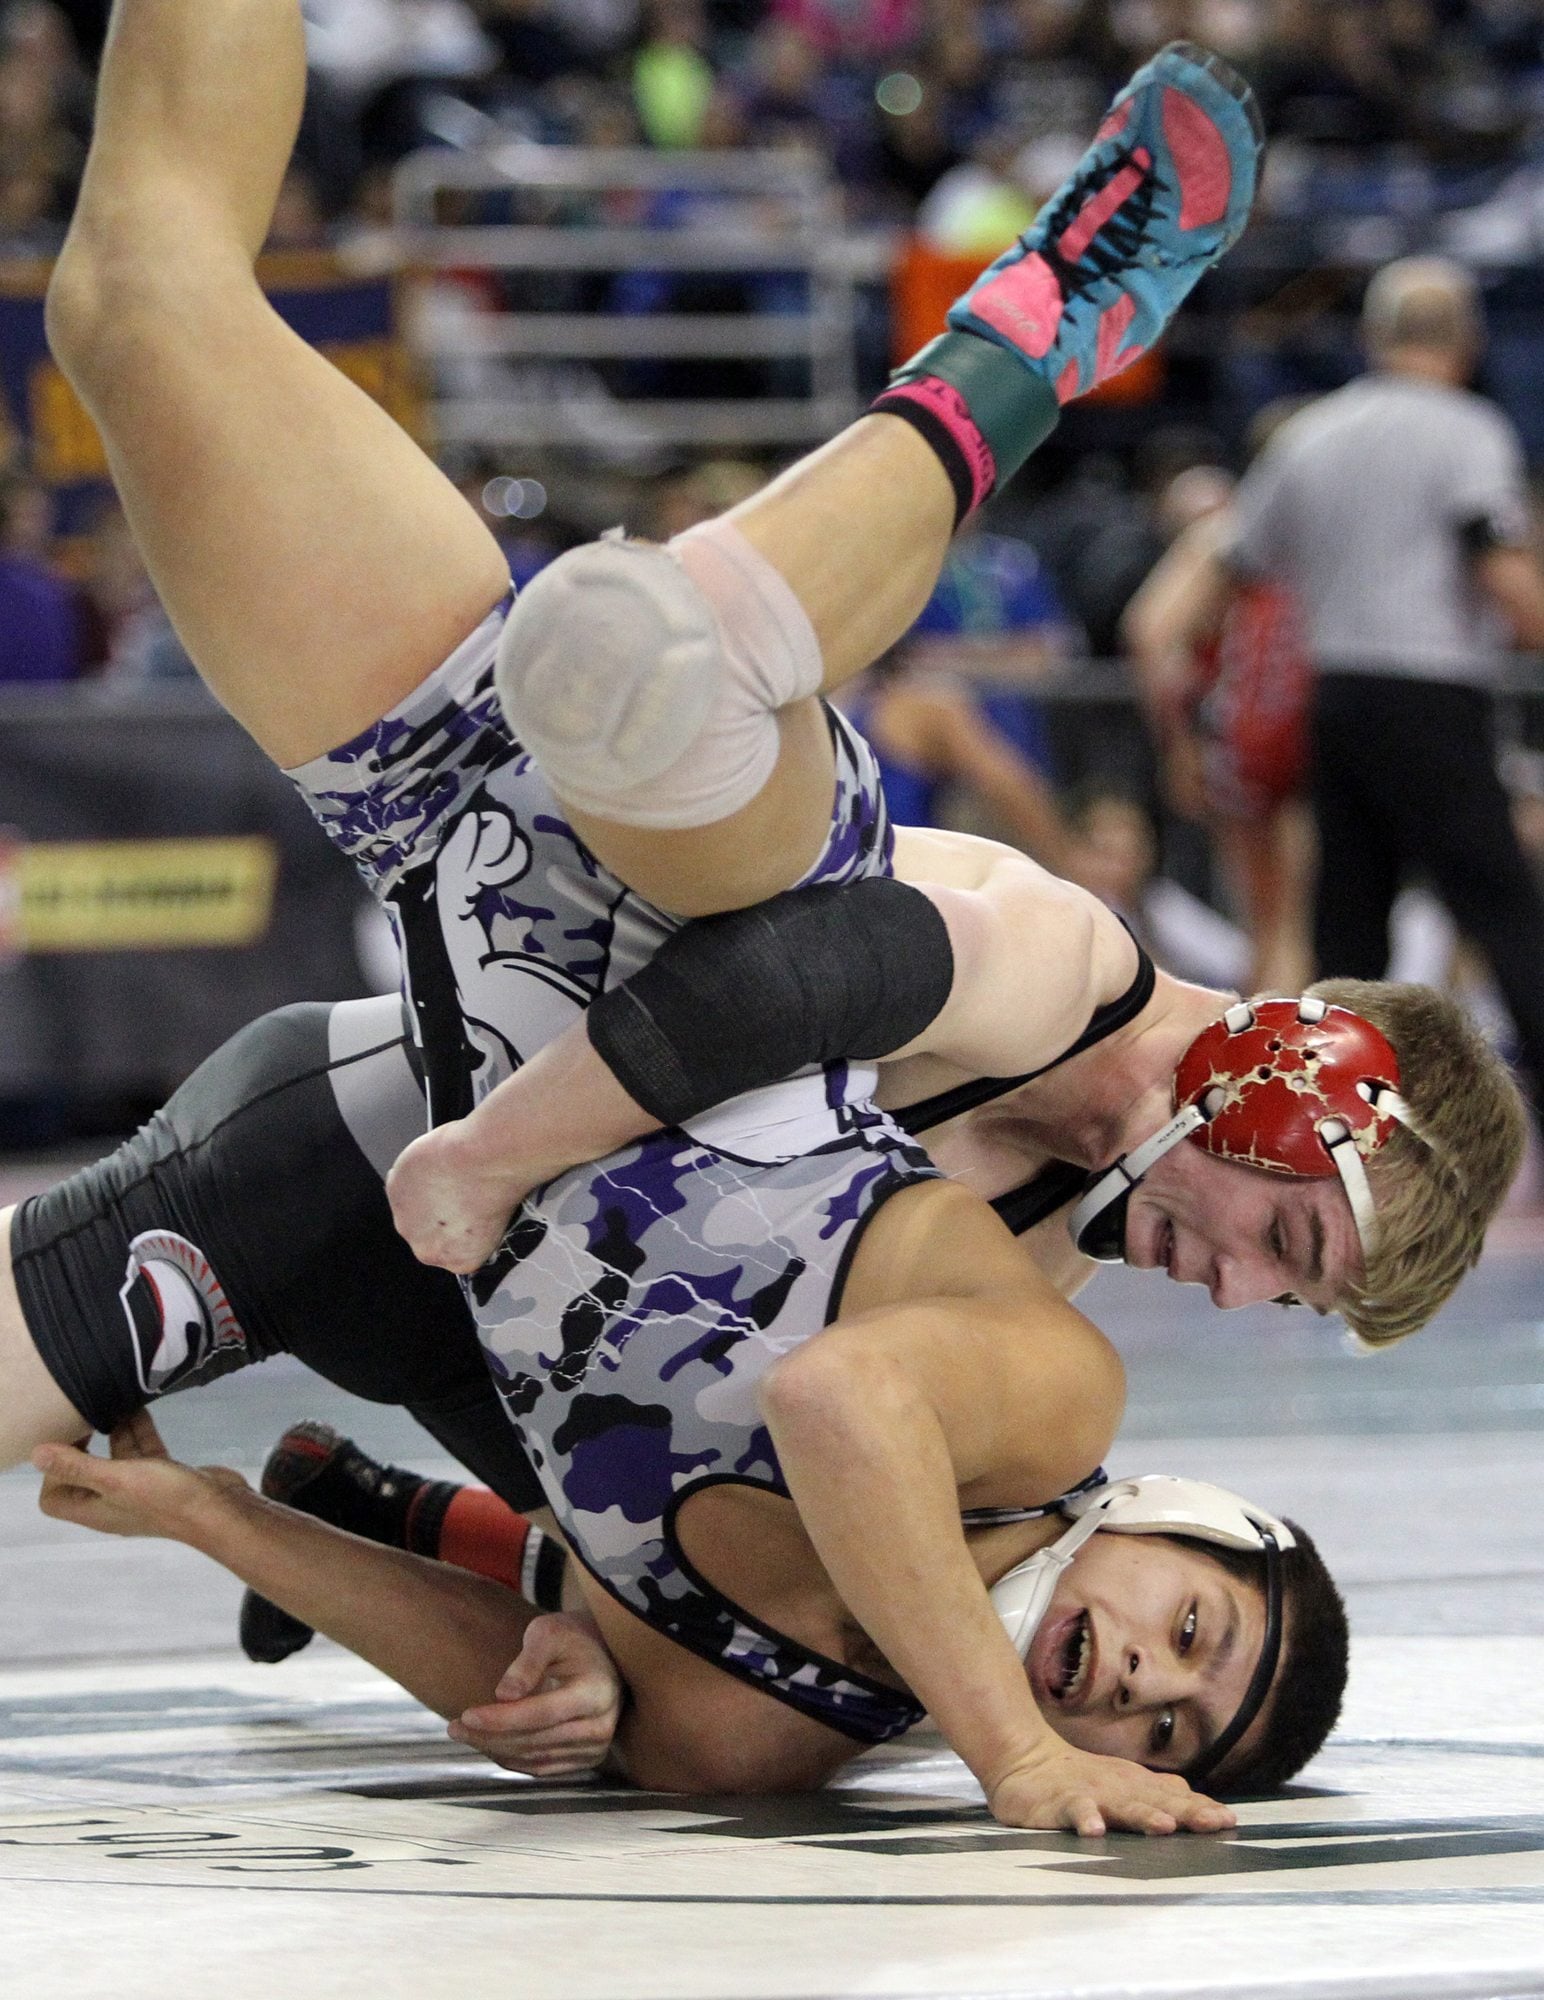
(66, 1465)
(591, 1744)
(137, 1437)
(558, 1648)
(550, 1710)
(1199, 1814)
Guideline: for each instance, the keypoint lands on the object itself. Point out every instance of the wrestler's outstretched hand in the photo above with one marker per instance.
(557, 1707)
(1058, 1786)
(139, 1490)
(451, 1209)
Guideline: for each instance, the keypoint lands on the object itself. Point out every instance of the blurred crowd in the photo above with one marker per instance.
(964, 110)
(1393, 123)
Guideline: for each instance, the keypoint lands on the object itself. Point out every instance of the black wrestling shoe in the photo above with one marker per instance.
(319, 1473)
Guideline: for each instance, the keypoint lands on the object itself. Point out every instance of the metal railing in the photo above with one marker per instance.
(544, 373)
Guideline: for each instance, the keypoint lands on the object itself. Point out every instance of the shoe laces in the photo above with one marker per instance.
(1118, 242)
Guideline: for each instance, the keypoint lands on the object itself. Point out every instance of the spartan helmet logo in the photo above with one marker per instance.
(180, 1319)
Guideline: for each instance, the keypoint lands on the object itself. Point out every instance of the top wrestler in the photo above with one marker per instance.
(315, 564)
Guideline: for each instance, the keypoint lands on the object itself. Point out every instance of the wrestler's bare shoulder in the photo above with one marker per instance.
(938, 1240)
(1034, 956)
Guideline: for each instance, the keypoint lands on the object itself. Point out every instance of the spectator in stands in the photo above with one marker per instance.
(128, 635)
(540, 41)
(1396, 511)
(44, 117)
(860, 32)
(944, 760)
(40, 625)
(953, 714)
(700, 492)
(1100, 533)
(673, 80)
(1117, 858)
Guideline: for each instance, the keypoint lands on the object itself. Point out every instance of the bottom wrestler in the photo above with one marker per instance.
(1120, 1631)
(264, 1169)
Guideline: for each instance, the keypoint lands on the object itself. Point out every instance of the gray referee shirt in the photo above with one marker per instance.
(1368, 505)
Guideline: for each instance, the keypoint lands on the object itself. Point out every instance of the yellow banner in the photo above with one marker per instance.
(140, 895)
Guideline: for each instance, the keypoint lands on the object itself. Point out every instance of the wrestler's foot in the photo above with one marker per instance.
(1164, 190)
(319, 1473)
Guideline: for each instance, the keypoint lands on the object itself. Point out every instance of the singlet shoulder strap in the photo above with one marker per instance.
(1032, 1201)
(1103, 1022)
(991, 1517)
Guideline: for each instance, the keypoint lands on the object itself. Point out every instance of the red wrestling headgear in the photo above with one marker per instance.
(1291, 1086)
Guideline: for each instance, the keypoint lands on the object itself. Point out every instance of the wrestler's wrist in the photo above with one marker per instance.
(215, 1515)
(478, 1149)
(1025, 1751)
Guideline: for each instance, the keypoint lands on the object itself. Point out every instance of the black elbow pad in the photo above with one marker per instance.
(734, 1002)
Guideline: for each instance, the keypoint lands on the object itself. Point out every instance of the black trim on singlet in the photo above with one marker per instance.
(1033, 1201)
(1102, 1023)
(901, 1699)
(446, 1055)
(1058, 1182)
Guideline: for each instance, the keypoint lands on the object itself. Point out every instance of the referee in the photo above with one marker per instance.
(1396, 511)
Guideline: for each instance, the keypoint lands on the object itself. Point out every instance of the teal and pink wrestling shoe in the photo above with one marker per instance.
(1164, 190)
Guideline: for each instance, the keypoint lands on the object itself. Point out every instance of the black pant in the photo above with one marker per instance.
(1404, 781)
(243, 1221)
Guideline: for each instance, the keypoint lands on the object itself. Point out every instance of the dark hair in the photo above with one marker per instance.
(1304, 1702)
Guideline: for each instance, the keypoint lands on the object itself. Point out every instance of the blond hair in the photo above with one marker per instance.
(1435, 1188)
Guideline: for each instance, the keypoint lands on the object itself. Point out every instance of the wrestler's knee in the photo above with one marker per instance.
(101, 310)
(646, 680)
(135, 287)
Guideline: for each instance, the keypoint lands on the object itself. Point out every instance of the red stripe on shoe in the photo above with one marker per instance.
(1024, 303)
(1077, 236)
(1200, 155)
(1067, 383)
(1115, 123)
(1113, 322)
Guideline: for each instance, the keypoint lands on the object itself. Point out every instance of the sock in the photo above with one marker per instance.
(479, 1532)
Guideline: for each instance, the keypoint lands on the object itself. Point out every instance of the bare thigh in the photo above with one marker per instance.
(315, 562)
(756, 852)
(33, 1408)
(858, 530)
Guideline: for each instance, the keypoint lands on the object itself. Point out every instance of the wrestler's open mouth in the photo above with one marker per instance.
(1067, 1673)
(1166, 1248)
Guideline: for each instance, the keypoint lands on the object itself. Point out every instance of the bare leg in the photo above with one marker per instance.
(859, 529)
(33, 1408)
(315, 563)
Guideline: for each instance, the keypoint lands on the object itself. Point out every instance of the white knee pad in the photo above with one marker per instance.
(645, 680)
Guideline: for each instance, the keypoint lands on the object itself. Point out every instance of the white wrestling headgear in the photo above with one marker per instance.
(1157, 1504)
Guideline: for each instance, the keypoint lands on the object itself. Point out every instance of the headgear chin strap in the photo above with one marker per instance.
(1292, 1086)
(1157, 1504)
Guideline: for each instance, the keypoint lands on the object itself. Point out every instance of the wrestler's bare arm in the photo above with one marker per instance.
(1033, 956)
(541, 1686)
(957, 1376)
